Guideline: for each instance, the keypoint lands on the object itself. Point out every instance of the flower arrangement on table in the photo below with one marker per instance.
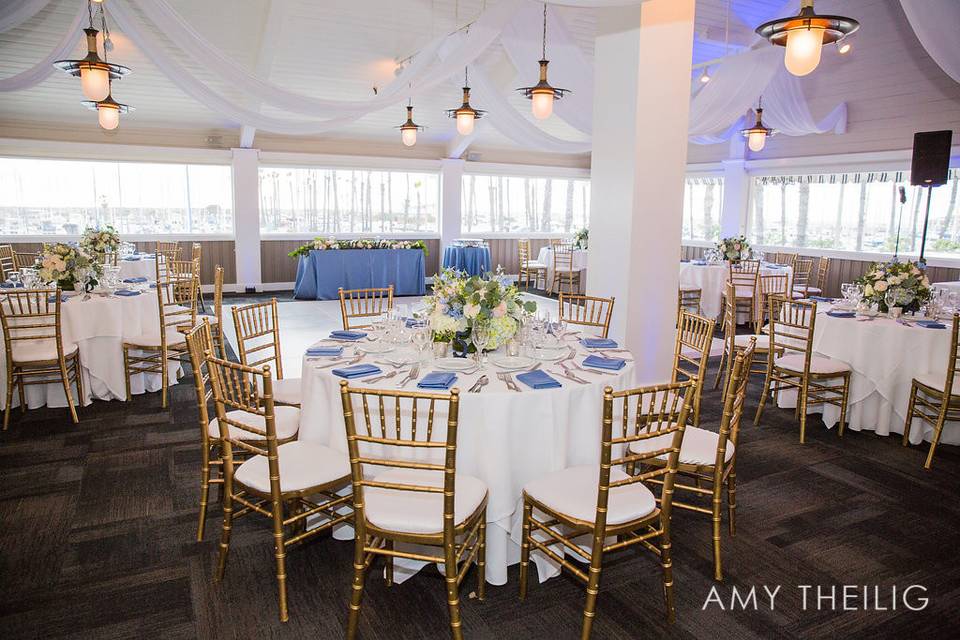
(68, 266)
(734, 249)
(100, 241)
(907, 280)
(327, 244)
(460, 302)
(581, 239)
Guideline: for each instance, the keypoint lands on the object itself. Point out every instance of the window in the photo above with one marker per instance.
(702, 203)
(338, 201)
(518, 205)
(854, 212)
(63, 197)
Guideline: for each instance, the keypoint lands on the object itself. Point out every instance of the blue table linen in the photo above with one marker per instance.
(135, 280)
(126, 292)
(597, 362)
(357, 371)
(931, 324)
(9, 285)
(321, 273)
(438, 380)
(538, 379)
(348, 335)
(599, 343)
(475, 261)
(841, 314)
(325, 351)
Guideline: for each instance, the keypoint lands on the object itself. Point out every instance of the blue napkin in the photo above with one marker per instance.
(6, 284)
(437, 380)
(63, 298)
(348, 335)
(931, 324)
(413, 322)
(836, 313)
(599, 343)
(135, 280)
(325, 351)
(132, 259)
(598, 362)
(357, 371)
(819, 299)
(538, 379)
(126, 292)
(153, 285)
(699, 263)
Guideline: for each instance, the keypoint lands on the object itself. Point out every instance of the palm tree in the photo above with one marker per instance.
(568, 208)
(803, 214)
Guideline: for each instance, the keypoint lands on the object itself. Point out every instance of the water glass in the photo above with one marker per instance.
(421, 338)
(513, 347)
(480, 336)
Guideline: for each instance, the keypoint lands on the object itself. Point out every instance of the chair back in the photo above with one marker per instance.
(784, 258)
(199, 342)
(730, 316)
(563, 257)
(791, 327)
(176, 295)
(218, 294)
(587, 311)
(196, 251)
(169, 250)
(364, 304)
(802, 267)
(689, 300)
(23, 260)
(734, 398)
(257, 327)
(953, 359)
(523, 251)
(397, 429)
(777, 284)
(29, 315)
(823, 268)
(7, 265)
(744, 275)
(692, 349)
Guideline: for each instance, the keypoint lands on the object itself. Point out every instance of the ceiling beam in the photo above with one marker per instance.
(270, 38)
(459, 144)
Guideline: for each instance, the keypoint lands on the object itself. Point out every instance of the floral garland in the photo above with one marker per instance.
(460, 302)
(581, 239)
(100, 241)
(734, 249)
(327, 244)
(907, 280)
(68, 265)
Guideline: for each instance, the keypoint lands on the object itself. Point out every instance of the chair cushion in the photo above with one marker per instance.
(212, 319)
(39, 350)
(418, 512)
(937, 380)
(818, 364)
(745, 292)
(286, 420)
(573, 492)
(533, 264)
(743, 341)
(174, 338)
(699, 446)
(814, 291)
(302, 465)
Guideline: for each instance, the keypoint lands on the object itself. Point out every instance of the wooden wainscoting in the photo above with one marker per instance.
(503, 252)
(277, 266)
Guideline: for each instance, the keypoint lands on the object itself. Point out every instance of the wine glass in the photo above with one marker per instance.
(846, 290)
(421, 339)
(892, 297)
(480, 335)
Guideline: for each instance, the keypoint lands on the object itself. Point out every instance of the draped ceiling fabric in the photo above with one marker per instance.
(716, 112)
(936, 23)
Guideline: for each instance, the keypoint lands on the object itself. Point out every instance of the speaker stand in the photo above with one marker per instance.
(926, 221)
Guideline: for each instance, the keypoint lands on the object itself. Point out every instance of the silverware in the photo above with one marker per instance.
(579, 368)
(507, 379)
(411, 376)
(351, 361)
(385, 376)
(479, 384)
(392, 364)
(569, 376)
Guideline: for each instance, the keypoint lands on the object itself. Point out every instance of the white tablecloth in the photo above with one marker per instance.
(504, 438)
(142, 268)
(99, 325)
(546, 257)
(952, 287)
(710, 279)
(885, 356)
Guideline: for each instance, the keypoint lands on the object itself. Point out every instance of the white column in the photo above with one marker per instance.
(246, 217)
(736, 196)
(451, 184)
(642, 65)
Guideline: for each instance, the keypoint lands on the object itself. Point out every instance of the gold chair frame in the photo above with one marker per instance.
(26, 315)
(216, 328)
(694, 333)
(936, 406)
(745, 275)
(820, 280)
(525, 259)
(730, 347)
(563, 268)
(586, 311)
(792, 325)
(235, 387)
(7, 261)
(364, 303)
(690, 299)
(23, 259)
(372, 541)
(802, 268)
(656, 417)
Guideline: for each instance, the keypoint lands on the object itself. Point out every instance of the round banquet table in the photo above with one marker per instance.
(474, 261)
(950, 287)
(98, 326)
(885, 356)
(504, 438)
(546, 257)
(139, 268)
(710, 278)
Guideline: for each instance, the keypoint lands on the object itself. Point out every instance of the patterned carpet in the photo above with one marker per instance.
(97, 529)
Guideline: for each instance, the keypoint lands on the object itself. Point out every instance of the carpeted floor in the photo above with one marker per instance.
(97, 529)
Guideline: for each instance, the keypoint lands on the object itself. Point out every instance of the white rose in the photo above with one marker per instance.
(868, 291)
(471, 310)
(880, 286)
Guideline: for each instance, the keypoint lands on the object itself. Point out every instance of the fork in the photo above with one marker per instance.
(385, 376)
(411, 376)
(507, 379)
(579, 368)
(392, 364)
(478, 385)
(353, 360)
(569, 376)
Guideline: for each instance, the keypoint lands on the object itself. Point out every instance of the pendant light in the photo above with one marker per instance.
(95, 74)
(465, 115)
(542, 94)
(408, 130)
(804, 36)
(108, 111)
(757, 134)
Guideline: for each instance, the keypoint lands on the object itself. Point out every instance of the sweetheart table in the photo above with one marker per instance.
(504, 438)
(474, 261)
(321, 273)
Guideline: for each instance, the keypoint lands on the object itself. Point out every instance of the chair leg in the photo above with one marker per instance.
(359, 575)
(525, 548)
(163, 378)
(732, 502)
(78, 372)
(802, 407)
(204, 493)
(388, 570)
(910, 409)
(10, 383)
(66, 389)
(453, 590)
(225, 492)
(593, 585)
(666, 560)
(763, 397)
(937, 430)
(716, 521)
(280, 553)
(723, 358)
(482, 558)
(126, 370)
(843, 405)
(22, 392)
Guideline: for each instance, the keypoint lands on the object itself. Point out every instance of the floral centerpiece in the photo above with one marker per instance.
(734, 249)
(68, 266)
(907, 279)
(327, 244)
(100, 241)
(460, 302)
(581, 239)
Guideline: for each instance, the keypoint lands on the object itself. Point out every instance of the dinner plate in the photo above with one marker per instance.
(375, 347)
(512, 363)
(454, 364)
(551, 354)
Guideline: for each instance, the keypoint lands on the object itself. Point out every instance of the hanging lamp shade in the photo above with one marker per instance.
(95, 74)
(543, 94)
(409, 129)
(804, 35)
(757, 134)
(465, 115)
(108, 111)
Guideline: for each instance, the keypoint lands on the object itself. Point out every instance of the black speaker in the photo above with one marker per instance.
(931, 158)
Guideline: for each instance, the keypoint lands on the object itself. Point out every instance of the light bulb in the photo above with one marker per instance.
(704, 78)
(408, 136)
(109, 117)
(465, 123)
(542, 105)
(803, 50)
(844, 47)
(95, 83)
(756, 140)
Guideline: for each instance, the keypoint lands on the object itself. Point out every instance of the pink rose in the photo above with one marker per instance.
(500, 310)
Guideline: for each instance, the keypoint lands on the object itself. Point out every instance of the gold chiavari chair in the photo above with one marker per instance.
(784, 258)
(151, 352)
(168, 247)
(529, 267)
(734, 344)
(24, 260)
(768, 285)
(710, 457)
(802, 268)
(257, 327)
(792, 324)
(419, 498)
(35, 350)
(563, 269)
(587, 311)
(691, 355)
(276, 480)
(689, 299)
(7, 265)
(364, 304)
(216, 318)
(196, 254)
(937, 395)
(606, 500)
(819, 279)
(744, 276)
